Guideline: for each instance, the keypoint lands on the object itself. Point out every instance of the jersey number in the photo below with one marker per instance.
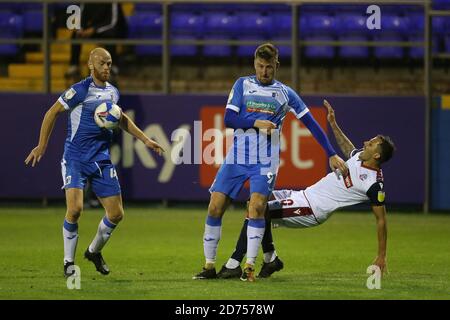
(113, 173)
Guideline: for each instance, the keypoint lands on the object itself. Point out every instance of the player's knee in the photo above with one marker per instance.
(215, 210)
(257, 209)
(116, 216)
(74, 213)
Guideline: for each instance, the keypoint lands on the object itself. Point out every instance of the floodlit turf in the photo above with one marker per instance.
(154, 253)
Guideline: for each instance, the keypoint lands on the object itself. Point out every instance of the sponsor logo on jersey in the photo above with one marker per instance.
(348, 181)
(363, 176)
(69, 94)
(381, 196)
(263, 107)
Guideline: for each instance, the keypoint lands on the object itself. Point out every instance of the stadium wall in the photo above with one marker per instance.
(144, 175)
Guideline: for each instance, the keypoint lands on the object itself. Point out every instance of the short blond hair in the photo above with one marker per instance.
(267, 51)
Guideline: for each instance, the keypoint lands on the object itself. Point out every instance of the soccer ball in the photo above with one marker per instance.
(107, 115)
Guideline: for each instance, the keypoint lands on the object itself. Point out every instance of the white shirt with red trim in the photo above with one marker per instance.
(361, 184)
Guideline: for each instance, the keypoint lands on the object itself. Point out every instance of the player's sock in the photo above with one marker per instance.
(255, 233)
(270, 256)
(267, 240)
(211, 237)
(105, 228)
(70, 235)
(241, 245)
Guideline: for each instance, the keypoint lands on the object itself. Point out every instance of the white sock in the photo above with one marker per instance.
(105, 228)
(211, 237)
(255, 232)
(70, 236)
(232, 263)
(270, 256)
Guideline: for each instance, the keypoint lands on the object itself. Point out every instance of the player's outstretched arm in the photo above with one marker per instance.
(380, 214)
(344, 143)
(129, 126)
(46, 129)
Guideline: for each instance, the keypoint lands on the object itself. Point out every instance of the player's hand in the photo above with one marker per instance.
(381, 263)
(265, 125)
(330, 116)
(336, 163)
(154, 146)
(35, 156)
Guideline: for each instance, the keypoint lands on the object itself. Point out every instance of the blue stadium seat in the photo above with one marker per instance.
(193, 8)
(186, 23)
(143, 7)
(221, 24)
(248, 50)
(33, 21)
(282, 30)
(254, 24)
(183, 50)
(217, 50)
(317, 23)
(416, 23)
(394, 24)
(351, 23)
(281, 25)
(353, 51)
(319, 51)
(440, 25)
(418, 52)
(389, 52)
(447, 44)
(11, 27)
(146, 25)
(441, 4)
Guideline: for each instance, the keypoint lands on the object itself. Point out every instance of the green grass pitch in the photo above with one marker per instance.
(154, 253)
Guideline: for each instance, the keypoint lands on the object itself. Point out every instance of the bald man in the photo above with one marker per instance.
(86, 157)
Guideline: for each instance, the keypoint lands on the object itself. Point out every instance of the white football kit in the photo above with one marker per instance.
(315, 204)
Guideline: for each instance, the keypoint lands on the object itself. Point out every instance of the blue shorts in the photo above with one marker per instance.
(231, 178)
(101, 174)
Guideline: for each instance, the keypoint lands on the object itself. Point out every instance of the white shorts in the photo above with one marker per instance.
(291, 209)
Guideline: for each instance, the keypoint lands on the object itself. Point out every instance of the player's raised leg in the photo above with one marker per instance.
(114, 214)
(74, 202)
(213, 230)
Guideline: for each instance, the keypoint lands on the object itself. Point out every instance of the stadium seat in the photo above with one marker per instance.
(447, 44)
(440, 25)
(146, 25)
(418, 52)
(388, 52)
(394, 24)
(441, 4)
(319, 51)
(254, 24)
(186, 23)
(248, 50)
(11, 27)
(217, 50)
(219, 23)
(183, 50)
(33, 21)
(351, 23)
(143, 7)
(317, 23)
(281, 25)
(353, 51)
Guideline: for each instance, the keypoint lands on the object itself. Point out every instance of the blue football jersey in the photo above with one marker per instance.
(85, 140)
(261, 102)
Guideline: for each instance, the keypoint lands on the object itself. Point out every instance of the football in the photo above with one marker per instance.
(107, 115)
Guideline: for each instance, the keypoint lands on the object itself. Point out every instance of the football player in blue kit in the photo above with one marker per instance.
(86, 157)
(256, 108)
